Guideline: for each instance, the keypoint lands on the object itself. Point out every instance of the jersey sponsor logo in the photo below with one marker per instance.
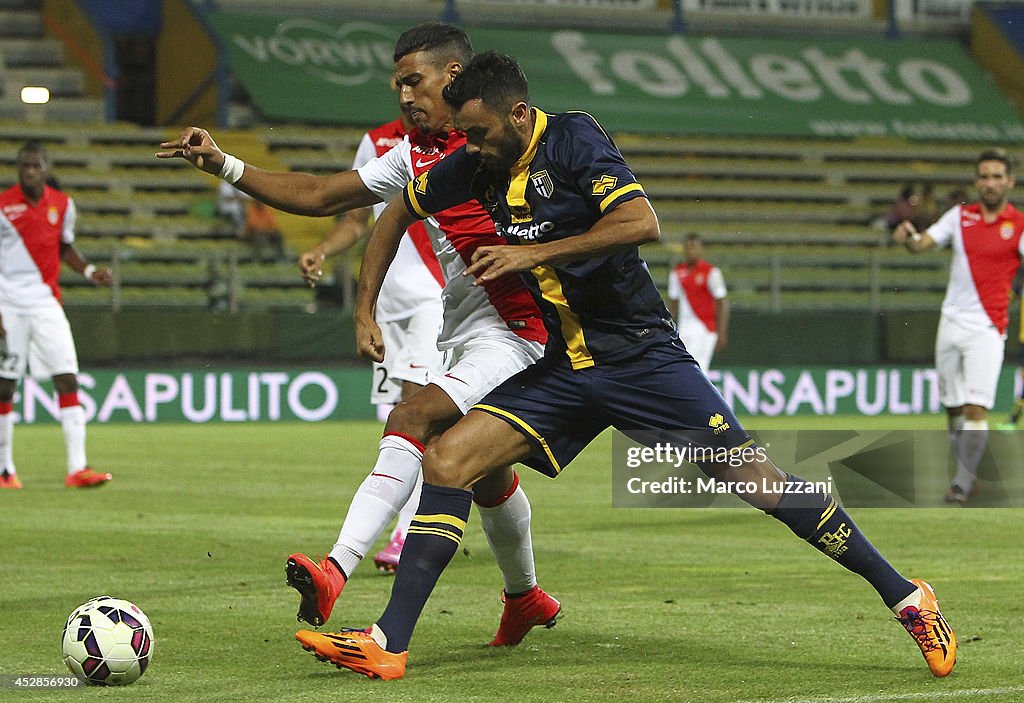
(534, 231)
(542, 183)
(603, 184)
(1006, 230)
(52, 215)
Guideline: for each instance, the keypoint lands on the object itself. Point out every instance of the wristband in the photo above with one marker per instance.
(88, 271)
(232, 169)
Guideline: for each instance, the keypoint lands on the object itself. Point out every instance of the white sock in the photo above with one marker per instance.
(72, 419)
(913, 599)
(375, 504)
(7, 443)
(970, 449)
(507, 526)
(408, 512)
(954, 423)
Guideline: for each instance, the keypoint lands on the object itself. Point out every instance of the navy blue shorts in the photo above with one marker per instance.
(661, 391)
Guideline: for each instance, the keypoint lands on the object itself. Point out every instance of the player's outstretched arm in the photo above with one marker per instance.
(907, 235)
(297, 193)
(349, 229)
(630, 224)
(380, 252)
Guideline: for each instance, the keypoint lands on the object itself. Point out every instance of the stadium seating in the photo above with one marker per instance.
(791, 222)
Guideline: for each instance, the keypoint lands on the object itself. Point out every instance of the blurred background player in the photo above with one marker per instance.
(37, 229)
(987, 249)
(1018, 377)
(702, 311)
(262, 232)
(409, 310)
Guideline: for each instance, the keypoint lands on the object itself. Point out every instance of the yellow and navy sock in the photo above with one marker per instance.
(819, 519)
(432, 540)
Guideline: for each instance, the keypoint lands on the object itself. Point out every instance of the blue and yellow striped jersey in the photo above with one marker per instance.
(597, 310)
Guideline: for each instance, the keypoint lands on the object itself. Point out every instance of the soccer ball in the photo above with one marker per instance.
(107, 642)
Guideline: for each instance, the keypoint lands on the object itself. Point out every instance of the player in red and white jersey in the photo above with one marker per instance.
(37, 231)
(492, 331)
(702, 312)
(987, 249)
(409, 312)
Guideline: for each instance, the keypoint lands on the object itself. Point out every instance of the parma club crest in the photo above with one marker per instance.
(542, 183)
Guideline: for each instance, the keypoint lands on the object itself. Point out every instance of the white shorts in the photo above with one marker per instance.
(39, 341)
(485, 361)
(410, 354)
(968, 362)
(700, 343)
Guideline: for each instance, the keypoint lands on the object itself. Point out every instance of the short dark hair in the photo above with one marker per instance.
(694, 237)
(436, 37)
(34, 146)
(995, 154)
(494, 78)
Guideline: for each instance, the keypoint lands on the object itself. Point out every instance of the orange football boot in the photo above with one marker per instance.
(86, 478)
(9, 480)
(930, 630)
(522, 614)
(319, 584)
(355, 650)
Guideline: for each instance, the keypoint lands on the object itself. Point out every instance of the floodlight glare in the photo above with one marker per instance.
(35, 95)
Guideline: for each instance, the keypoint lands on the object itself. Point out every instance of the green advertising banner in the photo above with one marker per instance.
(333, 71)
(273, 395)
(201, 396)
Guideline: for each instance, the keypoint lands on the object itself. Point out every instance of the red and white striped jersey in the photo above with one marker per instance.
(415, 277)
(30, 246)
(455, 234)
(696, 287)
(986, 256)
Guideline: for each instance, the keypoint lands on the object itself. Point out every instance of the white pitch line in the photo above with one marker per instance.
(885, 697)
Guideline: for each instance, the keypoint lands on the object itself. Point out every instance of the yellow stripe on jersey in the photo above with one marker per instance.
(516, 196)
(572, 329)
(611, 197)
(442, 518)
(532, 432)
(410, 189)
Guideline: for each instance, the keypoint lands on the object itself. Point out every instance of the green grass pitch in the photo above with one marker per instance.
(659, 605)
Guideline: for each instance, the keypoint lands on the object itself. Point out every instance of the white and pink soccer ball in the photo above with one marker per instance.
(108, 642)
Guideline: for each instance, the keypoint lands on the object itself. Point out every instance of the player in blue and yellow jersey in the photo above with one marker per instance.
(561, 194)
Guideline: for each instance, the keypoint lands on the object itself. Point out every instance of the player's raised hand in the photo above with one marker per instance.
(369, 340)
(311, 266)
(196, 146)
(904, 231)
(493, 262)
